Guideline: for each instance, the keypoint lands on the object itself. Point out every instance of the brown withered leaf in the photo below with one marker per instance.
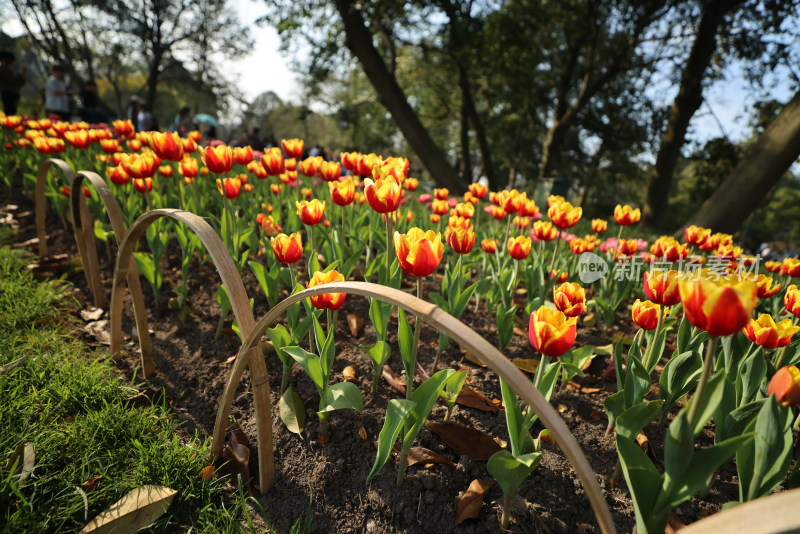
(596, 415)
(572, 385)
(356, 324)
(644, 443)
(137, 509)
(237, 456)
(206, 473)
(393, 380)
(472, 358)
(235, 433)
(528, 365)
(349, 373)
(92, 314)
(588, 363)
(421, 455)
(475, 399)
(91, 484)
(468, 503)
(230, 360)
(520, 332)
(362, 433)
(228, 331)
(464, 440)
(590, 390)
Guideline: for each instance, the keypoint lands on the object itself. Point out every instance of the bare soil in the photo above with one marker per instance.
(193, 367)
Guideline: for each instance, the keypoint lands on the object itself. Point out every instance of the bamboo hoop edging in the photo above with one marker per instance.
(118, 226)
(84, 233)
(776, 513)
(240, 305)
(464, 336)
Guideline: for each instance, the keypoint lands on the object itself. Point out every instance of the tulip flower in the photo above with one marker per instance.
(188, 167)
(231, 188)
(544, 231)
(117, 175)
(310, 166)
(270, 227)
(554, 199)
(441, 193)
(785, 385)
(142, 165)
(462, 240)
(143, 185)
(165, 170)
(411, 184)
(305, 192)
(330, 171)
(326, 301)
(645, 314)
(530, 209)
(559, 276)
(626, 215)
(765, 287)
(696, 235)
(109, 146)
(599, 225)
(311, 212)
(510, 201)
(342, 193)
(293, 148)
(124, 128)
(478, 190)
(465, 210)
(243, 154)
(792, 300)
(365, 163)
(218, 159)
(167, 146)
(384, 195)
(669, 249)
(489, 245)
(519, 247)
(564, 215)
(418, 252)
(791, 267)
(773, 266)
(570, 299)
(551, 332)
(765, 332)
(718, 306)
(258, 169)
(662, 287)
(399, 165)
(78, 139)
(273, 161)
(287, 248)
(497, 213)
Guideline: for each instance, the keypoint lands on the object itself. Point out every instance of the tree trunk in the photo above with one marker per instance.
(465, 167)
(359, 41)
(757, 172)
(468, 107)
(686, 103)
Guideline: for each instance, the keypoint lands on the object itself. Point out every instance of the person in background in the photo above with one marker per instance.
(90, 103)
(144, 119)
(183, 122)
(11, 82)
(132, 111)
(57, 95)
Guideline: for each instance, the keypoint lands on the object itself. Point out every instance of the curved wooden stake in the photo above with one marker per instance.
(118, 226)
(457, 331)
(83, 231)
(768, 515)
(240, 305)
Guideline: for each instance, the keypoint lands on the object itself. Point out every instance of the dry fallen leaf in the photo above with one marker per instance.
(468, 503)
(362, 433)
(475, 399)
(356, 324)
(590, 390)
(472, 358)
(596, 415)
(574, 386)
(562, 408)
(137, 509)
(349, 373)
(393, 380)
(421, 455)
(464, 440)
(673, 524)
(91, 484)
(230, 360)
(528, 365)
(92, 314)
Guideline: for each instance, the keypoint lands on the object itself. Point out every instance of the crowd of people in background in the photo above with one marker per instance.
(63, 102)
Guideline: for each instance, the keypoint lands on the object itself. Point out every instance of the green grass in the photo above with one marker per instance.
(69, 403)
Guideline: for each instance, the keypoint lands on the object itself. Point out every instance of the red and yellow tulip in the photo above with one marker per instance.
(419, 252)
(287, 248)
(342, 192)
(311, 212)
(293, 148)
(462, 240)
(551, 332)
(519, 247)
(626, 215)
(765, 332)
(384, 195)
(662, 287)
(720, 307)
(218, 159)
(645, 314)
(599, 225)
(167, 146)
(570, 299)
(326, 301)
(785, 385)
(791, 300)
(564, 215)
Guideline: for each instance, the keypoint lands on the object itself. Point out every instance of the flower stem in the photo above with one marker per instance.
(779, 361)
(555, 253)
(651, 347)
(388, 248)
(704, 376)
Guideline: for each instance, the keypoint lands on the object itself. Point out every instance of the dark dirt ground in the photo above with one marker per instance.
(193, 367)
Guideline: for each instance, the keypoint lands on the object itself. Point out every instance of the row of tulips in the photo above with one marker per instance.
(358, 217)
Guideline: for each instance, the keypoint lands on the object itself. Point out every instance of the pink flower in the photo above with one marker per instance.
(426, 197)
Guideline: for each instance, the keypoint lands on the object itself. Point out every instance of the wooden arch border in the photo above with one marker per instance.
(84, 227)
(81, 225)
(240, 305)
(768, 515)
(456, 330)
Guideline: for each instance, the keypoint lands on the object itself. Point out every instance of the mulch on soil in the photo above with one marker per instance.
(193, 368)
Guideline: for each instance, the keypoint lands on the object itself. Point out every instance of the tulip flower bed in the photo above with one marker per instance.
(616, 333)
